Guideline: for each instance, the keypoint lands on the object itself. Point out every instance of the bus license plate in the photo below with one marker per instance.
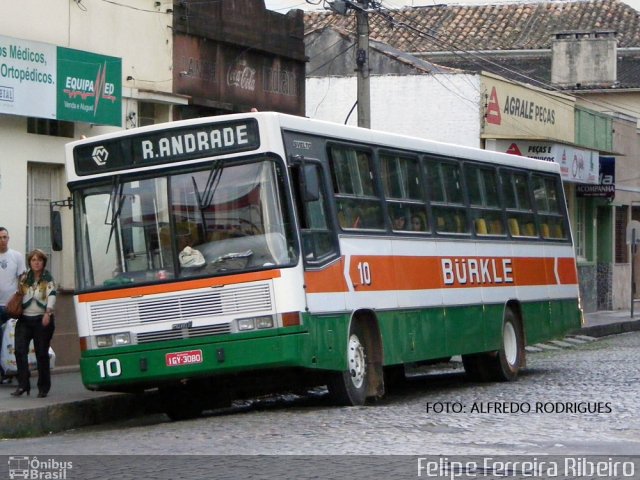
(177, 359)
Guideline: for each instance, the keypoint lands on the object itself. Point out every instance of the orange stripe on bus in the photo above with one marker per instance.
(567, 271)
(329, 279)
(387, 273)
(178, 286)
(533, 271)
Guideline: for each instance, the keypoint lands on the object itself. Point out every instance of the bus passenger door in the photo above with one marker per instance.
(324, 279)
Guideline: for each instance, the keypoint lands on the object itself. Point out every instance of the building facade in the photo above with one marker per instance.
(546, 49)
(145, 62)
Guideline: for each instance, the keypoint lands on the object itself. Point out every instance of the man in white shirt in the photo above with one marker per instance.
(11, 267)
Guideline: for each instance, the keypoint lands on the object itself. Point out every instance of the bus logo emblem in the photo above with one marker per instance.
(181, 326)
(100, 155)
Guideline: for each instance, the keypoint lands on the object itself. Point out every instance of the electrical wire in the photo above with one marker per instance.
(480, 59)
(342, 52)
(518, 124)
(80, 5)
(132, 7)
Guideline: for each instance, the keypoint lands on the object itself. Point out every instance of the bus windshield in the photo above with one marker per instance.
(220, 219)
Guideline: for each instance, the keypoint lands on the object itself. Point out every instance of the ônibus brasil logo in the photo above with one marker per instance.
(100, 155)
(32, 467)
(86, 88)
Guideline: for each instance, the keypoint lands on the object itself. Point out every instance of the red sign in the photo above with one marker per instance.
(177, 359)
(514, 150)
(493, 109)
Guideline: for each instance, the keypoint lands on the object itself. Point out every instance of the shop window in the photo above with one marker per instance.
(43, 186)
(54, 128)
(146, 113)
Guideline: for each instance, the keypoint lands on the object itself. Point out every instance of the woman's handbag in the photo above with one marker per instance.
(14, 305)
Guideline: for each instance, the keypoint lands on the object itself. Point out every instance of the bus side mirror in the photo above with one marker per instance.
(310, 183)
(56, 231)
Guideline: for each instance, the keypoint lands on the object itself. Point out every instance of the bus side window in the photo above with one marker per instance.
(514, 227)
(349, 215)
(481, 226)
(318, 242)
(545, 230)
(484, 198)
(358, 201)
(517, 199)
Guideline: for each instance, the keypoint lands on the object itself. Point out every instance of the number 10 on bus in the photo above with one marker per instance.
(365, 273)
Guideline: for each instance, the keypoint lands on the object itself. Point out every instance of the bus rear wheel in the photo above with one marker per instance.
(349, 388)
(506, 364)
(503, 365)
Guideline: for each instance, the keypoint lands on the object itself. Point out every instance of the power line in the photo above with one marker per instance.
(457, 49)
(479, 59)
(132, 7)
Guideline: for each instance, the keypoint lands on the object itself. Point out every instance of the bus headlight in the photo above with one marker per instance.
(246, 324)
(265, 321)
(122, 338)
(104, 341)
(115, 339)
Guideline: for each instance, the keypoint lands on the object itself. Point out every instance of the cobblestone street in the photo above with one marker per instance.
(576, 400)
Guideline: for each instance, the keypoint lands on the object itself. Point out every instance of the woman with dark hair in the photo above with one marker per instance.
(36, 323)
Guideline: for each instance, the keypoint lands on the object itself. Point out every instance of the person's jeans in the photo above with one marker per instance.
(27, 329)
(4, 317)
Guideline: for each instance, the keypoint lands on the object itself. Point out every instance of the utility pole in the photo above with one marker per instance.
(362, 62)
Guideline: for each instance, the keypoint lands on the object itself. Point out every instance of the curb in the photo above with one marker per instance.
(608, 329)
(65, 416)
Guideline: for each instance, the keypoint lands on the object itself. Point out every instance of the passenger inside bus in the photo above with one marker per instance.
(399, 222)
(349, 216)
(417, 223)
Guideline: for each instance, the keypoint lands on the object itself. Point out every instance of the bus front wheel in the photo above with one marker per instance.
(181, 403)
(350, 387)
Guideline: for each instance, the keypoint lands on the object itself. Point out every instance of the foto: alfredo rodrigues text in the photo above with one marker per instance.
(518, 407)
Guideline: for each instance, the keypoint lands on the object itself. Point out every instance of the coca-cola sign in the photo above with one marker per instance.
(235, 78)
(241, 75)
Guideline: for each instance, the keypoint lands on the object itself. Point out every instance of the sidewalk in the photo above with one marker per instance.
(70, 405)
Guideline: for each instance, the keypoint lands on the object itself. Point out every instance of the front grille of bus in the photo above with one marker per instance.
(181, 307)
(149, 337)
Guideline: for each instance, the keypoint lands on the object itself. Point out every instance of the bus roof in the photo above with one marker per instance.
(270, 126)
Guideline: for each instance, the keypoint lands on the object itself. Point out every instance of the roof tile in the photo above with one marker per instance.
(525, 25)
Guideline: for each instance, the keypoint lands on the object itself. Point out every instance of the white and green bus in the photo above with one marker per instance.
(224, 256)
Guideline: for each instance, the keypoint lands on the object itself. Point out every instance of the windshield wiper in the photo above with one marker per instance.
(116, 202)
(206, 198)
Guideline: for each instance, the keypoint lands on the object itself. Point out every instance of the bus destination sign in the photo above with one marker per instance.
(166, 146)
